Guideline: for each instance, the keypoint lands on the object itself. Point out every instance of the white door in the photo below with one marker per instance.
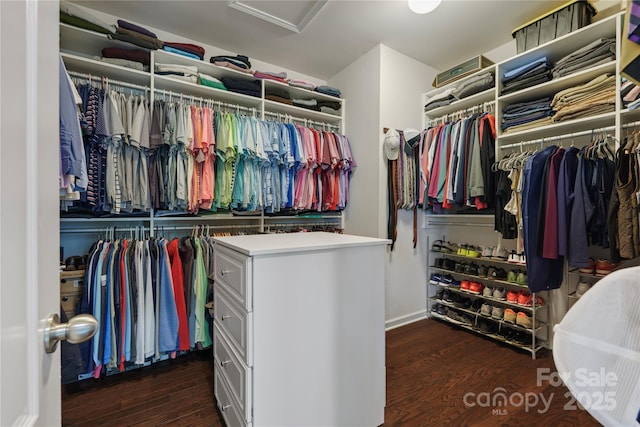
(29, 283)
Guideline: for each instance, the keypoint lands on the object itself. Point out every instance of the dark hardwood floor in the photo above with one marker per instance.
(431, 367)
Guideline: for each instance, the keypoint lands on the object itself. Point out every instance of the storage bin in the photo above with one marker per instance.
(560, 21)
(462, 70)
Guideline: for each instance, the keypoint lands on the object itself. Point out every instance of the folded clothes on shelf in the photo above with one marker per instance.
(192, 49)
(207, 80)
(535, 112)
(280, 99)
(137, 41)
(278, 91)
(241, 61)
(333, 105)
(133, 27)
(180, 52)
(301, 84)
(474, 85)
(137, 55)
(232, 66)
(157, 43)
(123, 63)
(79, 17)
(328, 90)
(282, 75)
(440, 99)
(598, 52)
(246, 87)
(187, 69)
(260, 75)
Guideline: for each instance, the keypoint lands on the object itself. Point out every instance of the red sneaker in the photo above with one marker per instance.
(512, 296)
(476, 288)
(523, 298)
(590, 269)
(464, 285)
(604, 267)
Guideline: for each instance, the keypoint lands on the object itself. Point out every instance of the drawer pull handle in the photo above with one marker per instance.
(225, 407)
(225, 316)
(224, 362)
(223, 272)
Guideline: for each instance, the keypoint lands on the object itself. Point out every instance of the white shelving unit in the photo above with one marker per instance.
(612, 122)
(80, 48)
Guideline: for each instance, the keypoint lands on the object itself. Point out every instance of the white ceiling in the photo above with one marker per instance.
(341, 31)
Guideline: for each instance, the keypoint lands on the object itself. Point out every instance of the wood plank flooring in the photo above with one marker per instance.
(431, 366)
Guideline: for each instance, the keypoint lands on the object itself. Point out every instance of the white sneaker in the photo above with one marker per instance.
(582, 288)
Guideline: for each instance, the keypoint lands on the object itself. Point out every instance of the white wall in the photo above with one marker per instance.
(403, 81)
(360, 86)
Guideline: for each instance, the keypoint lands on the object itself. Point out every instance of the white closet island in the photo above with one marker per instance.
(299, 333)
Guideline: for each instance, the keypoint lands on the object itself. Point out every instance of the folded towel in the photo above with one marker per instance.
(207, 80)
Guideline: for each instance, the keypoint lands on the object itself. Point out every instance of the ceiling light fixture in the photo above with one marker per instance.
(423, 6)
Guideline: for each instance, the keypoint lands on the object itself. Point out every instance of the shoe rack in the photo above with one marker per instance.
(468, 315)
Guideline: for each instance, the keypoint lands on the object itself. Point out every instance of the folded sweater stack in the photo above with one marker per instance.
(328, 90)
(526, 115)
(528, 75)
(595, 53)
(134, 34)
(269, 75)
(246, 87)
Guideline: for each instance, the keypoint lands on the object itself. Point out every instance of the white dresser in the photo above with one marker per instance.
(299, 334)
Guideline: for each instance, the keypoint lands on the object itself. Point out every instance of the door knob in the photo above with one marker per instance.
(79, 329)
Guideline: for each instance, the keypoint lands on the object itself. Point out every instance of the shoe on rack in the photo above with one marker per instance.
(462, 302)
(509, 315)
(440, 294)
(446, 249)
(512, 296)
(435, 279)
(511, 276)
(520, 337)
(473, 269)
(476, 288)
(453, 247)
(582, 288)
(524, 298)
(497, 312)
(476, 305)
(604, 267)
(486, 309)
(529, 301)
(462, 250)
(464, 285)
(590, 269)
(499, 274)
(490, 272)
(482, 271)
(521, 278)
(525, 320)
(514, 258)
(439, 263)
(450, 297)
(487, 251)
(437, 246)
(500, 254)
(461, 267)
(455, 316)
(523, 259)
(487, 292)
(499, 294)
(448, 281)
(449, 264)
(474, 252)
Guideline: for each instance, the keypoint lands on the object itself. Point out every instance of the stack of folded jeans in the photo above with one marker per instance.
(474, 85)
(595, 97)
(328, 90)
(598, 52)
(528, 75)
(526, 115)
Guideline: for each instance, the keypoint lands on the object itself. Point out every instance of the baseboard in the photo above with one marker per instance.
(405, 320)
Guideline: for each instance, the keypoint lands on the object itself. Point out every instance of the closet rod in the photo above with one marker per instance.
(102, 230)
(98, 79)
(630, 125)
(466, 224)
(557, 137)
(204, 100)
(479, 108)
(301, 224)
(306, 122)
(164, 228)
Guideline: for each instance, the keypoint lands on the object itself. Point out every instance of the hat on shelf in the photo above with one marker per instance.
(392, 144)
